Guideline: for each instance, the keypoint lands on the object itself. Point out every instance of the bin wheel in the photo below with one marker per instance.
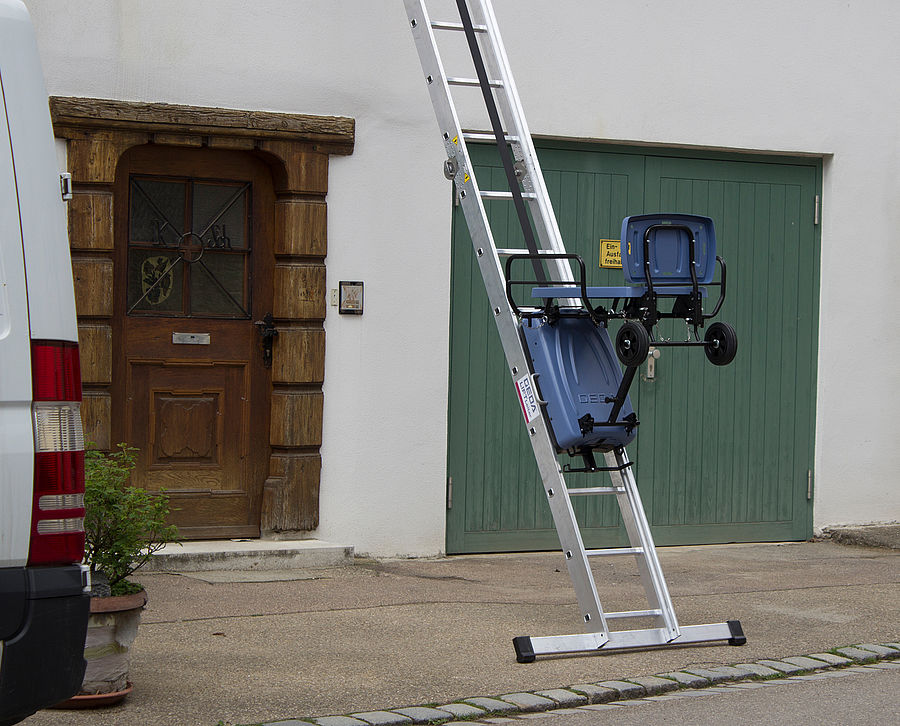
(721, 344)
(632, 344)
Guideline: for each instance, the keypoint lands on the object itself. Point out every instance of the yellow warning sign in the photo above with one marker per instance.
(610, 253)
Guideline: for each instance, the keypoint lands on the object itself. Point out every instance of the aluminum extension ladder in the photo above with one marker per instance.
(529, 194)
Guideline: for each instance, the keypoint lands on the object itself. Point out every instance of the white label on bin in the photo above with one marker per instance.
(528, 399)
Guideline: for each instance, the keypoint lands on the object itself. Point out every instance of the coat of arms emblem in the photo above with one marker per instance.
(156, 279)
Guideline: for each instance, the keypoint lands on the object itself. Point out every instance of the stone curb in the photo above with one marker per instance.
(627, 689)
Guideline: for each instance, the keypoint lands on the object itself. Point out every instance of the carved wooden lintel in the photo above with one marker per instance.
(330, 134)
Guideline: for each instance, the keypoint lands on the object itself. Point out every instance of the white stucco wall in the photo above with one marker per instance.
(809, 76)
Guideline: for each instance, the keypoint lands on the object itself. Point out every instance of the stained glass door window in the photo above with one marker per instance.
(188, 248)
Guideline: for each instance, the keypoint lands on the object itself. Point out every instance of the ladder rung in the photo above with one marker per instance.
(455, 81)
(489, 137)
(441, 25)
(634, 614)
(506, 195)
(582, 491)
(615, 551)
(507, 251)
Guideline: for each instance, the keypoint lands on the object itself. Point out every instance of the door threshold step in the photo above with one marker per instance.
(248, 554)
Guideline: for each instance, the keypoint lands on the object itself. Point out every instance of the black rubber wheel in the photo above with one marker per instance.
(632, 344)
(721, 344)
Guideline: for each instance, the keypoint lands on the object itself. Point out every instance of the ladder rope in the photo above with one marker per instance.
(500, 137)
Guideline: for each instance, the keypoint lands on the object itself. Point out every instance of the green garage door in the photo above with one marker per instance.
(722, 454)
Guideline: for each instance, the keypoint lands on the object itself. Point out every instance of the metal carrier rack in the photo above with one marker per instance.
(528, 333)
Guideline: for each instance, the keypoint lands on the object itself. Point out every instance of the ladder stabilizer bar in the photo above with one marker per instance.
(528, 648)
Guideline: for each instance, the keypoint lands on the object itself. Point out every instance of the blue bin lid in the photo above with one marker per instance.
(668, 247)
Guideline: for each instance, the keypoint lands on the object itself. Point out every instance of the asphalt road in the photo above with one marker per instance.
(849, 697)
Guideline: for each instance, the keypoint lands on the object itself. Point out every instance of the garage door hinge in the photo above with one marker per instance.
(808, 484)
(816, 215)
(449, 492)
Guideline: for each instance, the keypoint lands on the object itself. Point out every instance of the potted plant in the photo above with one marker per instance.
(124, 526)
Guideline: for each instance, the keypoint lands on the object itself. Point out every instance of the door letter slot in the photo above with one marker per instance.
(190, 338)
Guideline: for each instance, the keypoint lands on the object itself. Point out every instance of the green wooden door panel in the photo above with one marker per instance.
(721, 447)
(722, 453)
(498, 501)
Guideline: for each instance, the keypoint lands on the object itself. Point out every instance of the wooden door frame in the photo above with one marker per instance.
(296, 149)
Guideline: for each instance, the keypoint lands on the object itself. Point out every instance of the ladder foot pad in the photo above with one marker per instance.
(737, 633)
(524, 649)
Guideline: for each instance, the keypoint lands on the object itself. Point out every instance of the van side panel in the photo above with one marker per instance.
(44, 609)
(43, 216)
(16, 439)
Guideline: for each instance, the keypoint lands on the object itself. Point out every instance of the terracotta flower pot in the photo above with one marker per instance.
(112, 628)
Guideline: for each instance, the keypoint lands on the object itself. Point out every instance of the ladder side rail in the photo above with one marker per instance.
(514, 115)
(506, 158)
(638, 529)
(507, 324)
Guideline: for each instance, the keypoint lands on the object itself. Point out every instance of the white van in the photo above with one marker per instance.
(43, 603)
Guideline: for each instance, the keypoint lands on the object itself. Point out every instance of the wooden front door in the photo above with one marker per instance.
(191, 388)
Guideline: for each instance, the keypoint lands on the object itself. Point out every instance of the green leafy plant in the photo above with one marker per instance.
(123, 525)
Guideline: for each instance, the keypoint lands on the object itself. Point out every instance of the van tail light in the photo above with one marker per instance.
(57, 513)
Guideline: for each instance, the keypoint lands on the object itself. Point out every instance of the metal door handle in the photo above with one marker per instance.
(652, 355)
(267, 331)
